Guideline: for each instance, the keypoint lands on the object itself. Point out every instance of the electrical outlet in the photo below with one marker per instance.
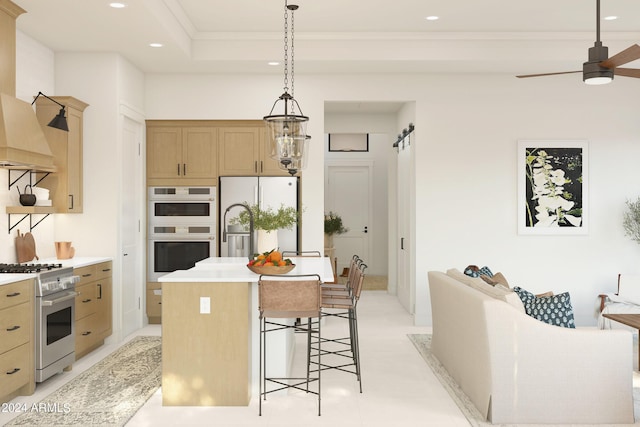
(205, 305)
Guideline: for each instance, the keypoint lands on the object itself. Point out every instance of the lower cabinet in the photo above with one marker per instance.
(17, 348)
(154, 302)
(93, 307)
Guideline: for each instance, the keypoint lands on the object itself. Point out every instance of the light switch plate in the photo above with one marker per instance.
(205, 305)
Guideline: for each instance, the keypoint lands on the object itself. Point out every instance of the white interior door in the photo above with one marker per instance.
(348, 193)
(131, 217)
(403, 231)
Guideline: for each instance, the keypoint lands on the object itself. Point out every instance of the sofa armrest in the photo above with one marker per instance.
(540, 370)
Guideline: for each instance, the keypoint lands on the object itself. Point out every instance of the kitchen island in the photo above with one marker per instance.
(210, 329)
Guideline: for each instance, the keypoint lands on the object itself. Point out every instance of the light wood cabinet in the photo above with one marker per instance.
(93, 307)
(17, 340)
(9, 11)
(65, 185)
(154, 302)
(244, 151)
(181, 155)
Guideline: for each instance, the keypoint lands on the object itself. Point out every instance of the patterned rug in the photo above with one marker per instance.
(422, 342)
(107, 394)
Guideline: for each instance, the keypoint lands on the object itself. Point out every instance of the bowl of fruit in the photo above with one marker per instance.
(270, 263)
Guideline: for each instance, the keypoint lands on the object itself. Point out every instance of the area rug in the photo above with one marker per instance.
(422, 342)
(107, 394)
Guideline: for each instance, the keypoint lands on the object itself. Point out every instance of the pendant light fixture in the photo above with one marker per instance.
(288, 131)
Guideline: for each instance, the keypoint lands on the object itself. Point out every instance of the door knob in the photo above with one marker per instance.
(366, 229)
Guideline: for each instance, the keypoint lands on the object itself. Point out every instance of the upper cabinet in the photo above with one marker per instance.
(244, 151)
(181, 155)
(65, 185)
(195, 152)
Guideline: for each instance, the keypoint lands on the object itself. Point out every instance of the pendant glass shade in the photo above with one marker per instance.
(287, 136)
(291, 153)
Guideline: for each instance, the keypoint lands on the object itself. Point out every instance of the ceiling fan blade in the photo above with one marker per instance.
(548, 74)
(629, 54)
(627, 72)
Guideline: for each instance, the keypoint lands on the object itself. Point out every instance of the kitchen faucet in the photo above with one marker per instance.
(224, 224)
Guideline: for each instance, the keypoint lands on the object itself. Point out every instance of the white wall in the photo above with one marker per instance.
(467, 128)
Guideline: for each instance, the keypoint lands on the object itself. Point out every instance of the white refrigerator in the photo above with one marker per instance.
(270, 191)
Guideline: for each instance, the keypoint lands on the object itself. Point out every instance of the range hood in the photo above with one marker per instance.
(22, 142)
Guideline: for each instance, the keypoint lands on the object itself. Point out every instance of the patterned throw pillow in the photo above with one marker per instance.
(554, 310)
(474, 271)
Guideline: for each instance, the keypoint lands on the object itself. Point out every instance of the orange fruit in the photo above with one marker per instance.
(268, 264)
(282, 263)
(276, 256)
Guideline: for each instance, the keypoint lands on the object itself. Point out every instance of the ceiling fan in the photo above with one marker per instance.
(600, 69)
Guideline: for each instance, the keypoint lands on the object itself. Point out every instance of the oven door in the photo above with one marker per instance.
(174, 211)
(55, 332)
(175, 253)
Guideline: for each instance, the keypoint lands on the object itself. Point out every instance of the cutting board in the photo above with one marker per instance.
(25, 247)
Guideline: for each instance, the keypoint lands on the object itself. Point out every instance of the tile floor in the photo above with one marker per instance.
(398, 386)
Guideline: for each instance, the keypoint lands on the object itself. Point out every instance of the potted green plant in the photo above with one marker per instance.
(267, 221)
(631, 220)
(332, 225)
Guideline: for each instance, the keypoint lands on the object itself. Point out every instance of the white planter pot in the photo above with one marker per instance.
(267, 241)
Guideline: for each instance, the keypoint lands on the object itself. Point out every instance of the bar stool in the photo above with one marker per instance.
(345, 347)
(288, 297)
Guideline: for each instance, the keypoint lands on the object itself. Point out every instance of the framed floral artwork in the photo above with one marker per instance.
(552, 187)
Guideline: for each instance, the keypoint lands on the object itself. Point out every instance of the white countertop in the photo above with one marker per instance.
(74, 262)
(6, 278)
(234, 269)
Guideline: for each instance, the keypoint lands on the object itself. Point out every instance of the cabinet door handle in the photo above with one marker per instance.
(15, 370)
(86, 300)
(70, 201)
(99, 291)
(184, 169)
(108, 269)
(178, 169)
(261, 166)
(15, 294)
(86, 275)
(13, 328)
(84, 334)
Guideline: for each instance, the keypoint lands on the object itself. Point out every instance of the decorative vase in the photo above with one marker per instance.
(267, 240)
(328, 240)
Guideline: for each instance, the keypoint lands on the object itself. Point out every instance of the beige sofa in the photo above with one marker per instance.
(517, 369)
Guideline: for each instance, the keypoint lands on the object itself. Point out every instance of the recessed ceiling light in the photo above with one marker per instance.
(610, 18)
(117, 5)
(273, 63)
(432, 18)
(155, 44)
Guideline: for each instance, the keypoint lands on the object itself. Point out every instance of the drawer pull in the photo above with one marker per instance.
(86, 275)
(86, 300)
(84, 334)
(107, 269)
(15, 294)
(15, 370)
(13, 328)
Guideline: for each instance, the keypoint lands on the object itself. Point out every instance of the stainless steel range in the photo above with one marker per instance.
(55, 315)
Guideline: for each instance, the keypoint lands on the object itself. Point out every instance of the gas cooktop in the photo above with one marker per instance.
(28, 268)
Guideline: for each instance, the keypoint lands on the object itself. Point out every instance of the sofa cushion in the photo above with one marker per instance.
(554, 310)
(498, 291)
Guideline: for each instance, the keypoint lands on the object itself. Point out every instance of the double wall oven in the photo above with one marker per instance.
(182, 228)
